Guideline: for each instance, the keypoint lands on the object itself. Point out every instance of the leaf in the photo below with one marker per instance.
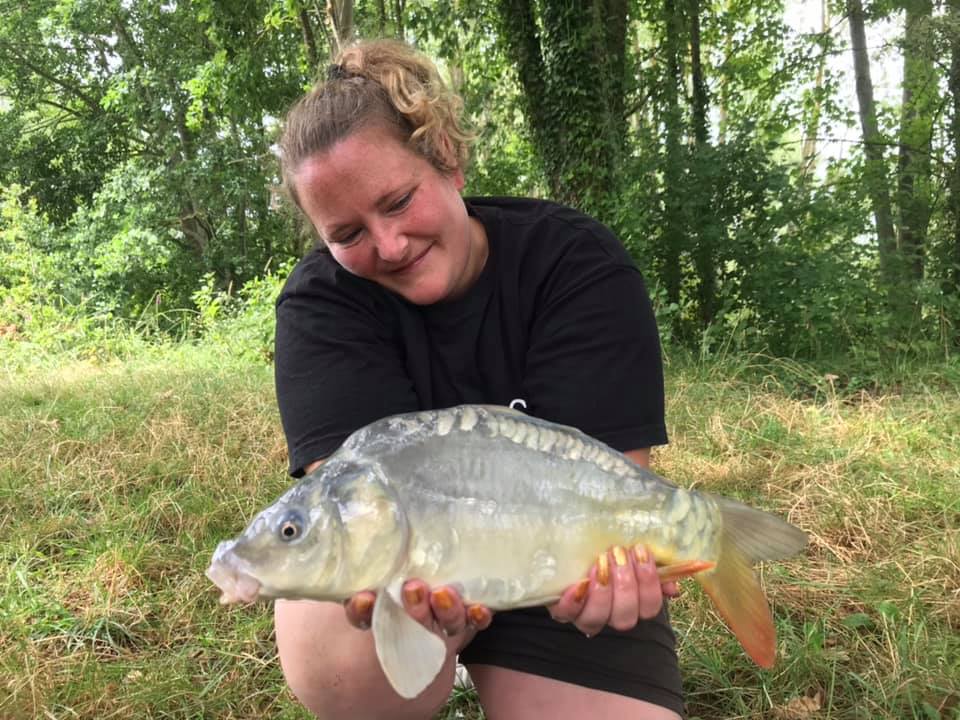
(857, 620)
(889, 610)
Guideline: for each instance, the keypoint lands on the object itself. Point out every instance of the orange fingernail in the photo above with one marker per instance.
(642, 555)
(619, 556)
(476, 614)
(362, 605)
(581, 592)
(413, 596)
(442, 599)
(603, 569)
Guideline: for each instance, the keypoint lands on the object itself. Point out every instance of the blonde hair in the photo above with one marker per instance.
(377, 82)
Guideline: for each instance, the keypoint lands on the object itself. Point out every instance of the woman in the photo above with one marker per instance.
(419, 299)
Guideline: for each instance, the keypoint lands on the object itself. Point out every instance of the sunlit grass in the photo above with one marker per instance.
(117, 480)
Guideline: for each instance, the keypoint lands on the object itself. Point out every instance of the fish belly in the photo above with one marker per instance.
(513, 526)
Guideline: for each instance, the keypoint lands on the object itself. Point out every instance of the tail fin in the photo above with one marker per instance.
(747, 536)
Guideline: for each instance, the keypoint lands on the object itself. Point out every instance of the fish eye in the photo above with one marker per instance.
(290, 526)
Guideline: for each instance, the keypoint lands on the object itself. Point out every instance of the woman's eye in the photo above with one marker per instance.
(347, 239)
(402, 202)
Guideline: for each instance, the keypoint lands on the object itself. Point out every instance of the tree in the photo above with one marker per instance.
(875, 173)
(951, 275)
(181, 93)
(918, 106)
(808, 151)
(674, 130)
(570, 61)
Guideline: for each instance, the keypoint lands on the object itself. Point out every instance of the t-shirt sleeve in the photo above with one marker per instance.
(338, 363)
(594, 357)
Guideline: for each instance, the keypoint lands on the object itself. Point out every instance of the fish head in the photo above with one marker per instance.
(339, 530)
(292, 549)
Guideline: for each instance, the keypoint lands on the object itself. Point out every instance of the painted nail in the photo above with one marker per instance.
(603, 569)
(581, 592)
(413, 596)
(442, 599)
(643, 556)
(619, 556)
(362, 605)
(476, 615)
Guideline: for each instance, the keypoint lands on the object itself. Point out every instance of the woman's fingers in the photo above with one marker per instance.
(570, 604)
(479, 617)
(623, 588)
(649, 589)
(443, 607)
(596, 609)
(448, 610)
(359, 609)
(625, 606)
(416, 601)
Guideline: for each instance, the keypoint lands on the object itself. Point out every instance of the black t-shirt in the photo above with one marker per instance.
(559, 318)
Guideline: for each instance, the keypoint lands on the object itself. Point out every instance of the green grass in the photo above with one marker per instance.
(118, 479)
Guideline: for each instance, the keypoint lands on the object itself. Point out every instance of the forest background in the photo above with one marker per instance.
(139, 183)
(798, 228)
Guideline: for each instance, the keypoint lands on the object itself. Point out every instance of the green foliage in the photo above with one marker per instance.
(29, 272)
(138, 136)
(241, 325)
(142, 130)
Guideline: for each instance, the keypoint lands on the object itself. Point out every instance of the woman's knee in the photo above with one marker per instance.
(333, 669)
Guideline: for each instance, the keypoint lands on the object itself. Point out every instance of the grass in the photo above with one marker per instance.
(118, 479)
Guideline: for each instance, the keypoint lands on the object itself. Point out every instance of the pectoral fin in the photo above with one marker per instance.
(683, 569)
(411, 656)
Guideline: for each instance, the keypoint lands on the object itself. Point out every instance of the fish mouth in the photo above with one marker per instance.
(235, 584)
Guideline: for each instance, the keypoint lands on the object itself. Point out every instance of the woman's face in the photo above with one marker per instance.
(389, 216)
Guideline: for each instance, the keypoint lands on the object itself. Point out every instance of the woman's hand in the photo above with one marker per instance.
(622, 588)
(441, 607)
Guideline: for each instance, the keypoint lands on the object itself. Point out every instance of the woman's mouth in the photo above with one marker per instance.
(412, 265)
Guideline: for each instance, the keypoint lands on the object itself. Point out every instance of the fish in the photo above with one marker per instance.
(507, 508)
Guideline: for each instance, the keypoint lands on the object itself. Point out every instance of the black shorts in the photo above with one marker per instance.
(639, 663)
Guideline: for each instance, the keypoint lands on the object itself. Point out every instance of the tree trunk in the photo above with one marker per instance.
(951, 275)
(875, 172)
(699, 84)
(705, 226)
(808, 152)
(674, 234)
(723, 93)
(399, 8)
(381, 18)
(309, 40)
(570, 60)
(340, 18)
(916, 131)
(197, 231)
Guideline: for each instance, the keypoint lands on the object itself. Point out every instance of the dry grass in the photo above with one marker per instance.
(117, 481)
(875, 481)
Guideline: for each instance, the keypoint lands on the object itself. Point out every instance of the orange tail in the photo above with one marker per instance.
(735, 591)
(748, 535)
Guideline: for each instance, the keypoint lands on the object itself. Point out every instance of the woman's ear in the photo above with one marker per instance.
(458, 179)
(447, 157)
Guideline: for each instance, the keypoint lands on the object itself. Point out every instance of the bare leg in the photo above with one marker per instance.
(512, 695)
(333, 669)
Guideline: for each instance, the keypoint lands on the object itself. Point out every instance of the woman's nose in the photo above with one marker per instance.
(392, 245)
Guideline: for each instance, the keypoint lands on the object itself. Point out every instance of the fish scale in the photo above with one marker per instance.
(510, 509)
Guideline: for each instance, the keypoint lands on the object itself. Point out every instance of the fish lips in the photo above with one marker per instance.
(227, 573)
